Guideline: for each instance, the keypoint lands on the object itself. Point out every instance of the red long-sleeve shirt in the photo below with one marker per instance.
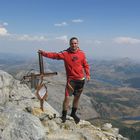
(75, 63)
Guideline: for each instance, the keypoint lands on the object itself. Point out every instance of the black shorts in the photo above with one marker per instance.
(77, 86)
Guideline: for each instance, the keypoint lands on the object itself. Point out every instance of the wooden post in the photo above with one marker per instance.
(38, 86)
(41, 65)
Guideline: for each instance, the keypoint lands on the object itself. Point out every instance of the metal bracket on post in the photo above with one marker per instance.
(40, 87)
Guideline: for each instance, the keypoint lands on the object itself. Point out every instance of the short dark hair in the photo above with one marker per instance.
(73, 39)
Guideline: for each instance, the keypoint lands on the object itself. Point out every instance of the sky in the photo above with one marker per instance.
(105, 28)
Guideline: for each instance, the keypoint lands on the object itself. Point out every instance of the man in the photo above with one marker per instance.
(77, 69)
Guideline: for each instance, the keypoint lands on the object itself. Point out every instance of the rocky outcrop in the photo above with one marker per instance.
(56, 89)
(22, 119)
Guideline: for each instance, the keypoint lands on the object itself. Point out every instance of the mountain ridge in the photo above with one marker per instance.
(22, 119)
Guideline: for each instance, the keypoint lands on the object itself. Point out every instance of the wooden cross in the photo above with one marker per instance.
(40, 87)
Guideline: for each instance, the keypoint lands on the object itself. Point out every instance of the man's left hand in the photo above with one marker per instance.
(88, 78)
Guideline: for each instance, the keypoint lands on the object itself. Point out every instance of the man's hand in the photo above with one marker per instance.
(40, 51)
(88, 78)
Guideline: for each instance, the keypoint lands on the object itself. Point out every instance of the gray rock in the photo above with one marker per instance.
(19, 125)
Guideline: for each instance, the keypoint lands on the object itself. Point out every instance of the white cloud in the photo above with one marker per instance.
(126, 40)
(3, 31)
(65, 23)
(77, 20)
(30, 38)
(63, 38)
(61, 24)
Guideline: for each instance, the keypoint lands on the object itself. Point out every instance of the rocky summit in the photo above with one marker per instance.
(22, 119)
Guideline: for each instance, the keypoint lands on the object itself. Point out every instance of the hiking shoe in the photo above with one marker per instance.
(64, 114)
(76, 119)
(63, 118)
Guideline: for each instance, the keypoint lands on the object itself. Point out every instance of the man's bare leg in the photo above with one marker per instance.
(65, 108)
(74, 108)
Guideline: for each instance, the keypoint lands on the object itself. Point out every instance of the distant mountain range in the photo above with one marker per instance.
(120, 72)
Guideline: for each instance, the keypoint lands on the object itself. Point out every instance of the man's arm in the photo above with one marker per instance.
(52, 55)
(86, 68)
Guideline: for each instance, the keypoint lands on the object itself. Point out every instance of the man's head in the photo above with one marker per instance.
(73, 43)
